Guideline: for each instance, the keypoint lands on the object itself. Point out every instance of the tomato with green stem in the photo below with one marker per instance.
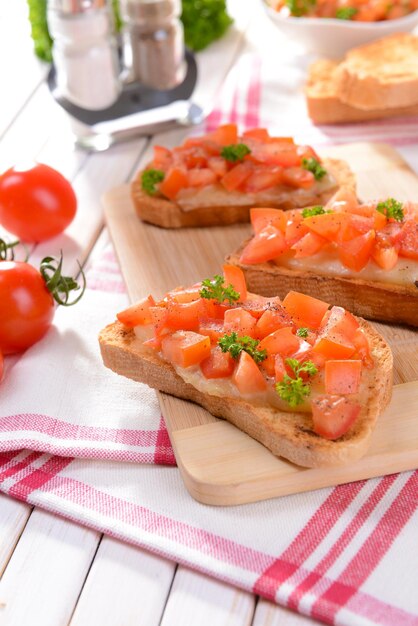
(27, 301)
(36, 203)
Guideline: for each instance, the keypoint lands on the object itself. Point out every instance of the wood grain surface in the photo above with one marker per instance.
(219, 464)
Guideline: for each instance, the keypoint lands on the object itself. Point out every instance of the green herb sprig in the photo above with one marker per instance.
(215, 289)
(235, 152)
(234, 344)
(346, 13)
(302, 332)
(60, 286)
(392, 209)
(313, 165)
(298, 8)
(295, 390)
(315, 210)
(149, 179)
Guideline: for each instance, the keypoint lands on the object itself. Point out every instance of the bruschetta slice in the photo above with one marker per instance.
(305, 379)
(215, 179)
(360, 256)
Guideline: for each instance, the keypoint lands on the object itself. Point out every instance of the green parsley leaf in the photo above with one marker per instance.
(295, 390)
(149, 179)
(235, 345)
(298, 8)
(346, 13)
(391, 208)
(314, 210)
(204, 21)
(302, 332)
(214, 289)
(235, 152)
(312, 165)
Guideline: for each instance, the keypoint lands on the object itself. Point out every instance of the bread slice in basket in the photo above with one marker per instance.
(243, 394)
(216, 179)
(383, 285)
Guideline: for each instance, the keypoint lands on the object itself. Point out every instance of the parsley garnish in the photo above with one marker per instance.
(294, 390)
(300, 7)
(149, 179)
(314, 210)
(314, 166)
(235, 345)
(302, 332)
(391, 208)
(214, 289)
(235, 152)
(346, 13)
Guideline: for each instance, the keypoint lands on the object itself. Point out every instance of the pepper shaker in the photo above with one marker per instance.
(85, 52)
(156, 40)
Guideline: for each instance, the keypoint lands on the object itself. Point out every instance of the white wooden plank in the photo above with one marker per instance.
(46, 572)
(269, 614)
(197, 599)
(125, 586)
(20, 71)
(13, 518)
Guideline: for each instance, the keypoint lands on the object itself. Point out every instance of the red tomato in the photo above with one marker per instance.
(355, 254)
(342, 376)
(185, 348)
(268, 244)
(237, 175)
(294, 228)
(175, 180)
(138, 314)
(309, 244)
(409, 240)
(233, 275)
(201, 177)
(281, 153)
(247, 375)
(259, 134)
(1, 366)
(162, 158)
(183, 316)
(261, 217)
(272, 319)
(305, 310)
(218, 365)
(239, 321)
(37, 203)
(263, 178)
(298, 177)
(212, 328)
(26, 306)
(327, 225)
(333, 415)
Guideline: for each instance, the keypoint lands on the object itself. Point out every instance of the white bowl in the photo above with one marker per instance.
(333, 37)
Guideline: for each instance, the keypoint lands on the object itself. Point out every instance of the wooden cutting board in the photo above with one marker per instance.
(221, 465)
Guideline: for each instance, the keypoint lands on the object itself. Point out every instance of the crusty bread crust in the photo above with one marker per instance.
(288, 435)
(380, 75)
(161, 212)
(373, 300)
(325, 107)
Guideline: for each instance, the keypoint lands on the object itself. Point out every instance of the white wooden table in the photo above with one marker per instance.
(53, 571)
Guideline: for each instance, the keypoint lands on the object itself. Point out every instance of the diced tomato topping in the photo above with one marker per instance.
(334, 346)
(408, 240)
(138, 314)
(295, 229)
(247, 376)
(385, 257)
(174, 180)
(183, 316)
(298, 177)
(272, 319)
(268, 244)
(201, 177)
(185, 348)
(341, 322)
(279, 368)
(342, 376)
(327, 225)
(362, 347)
(281, 153)
(305, 310)
(218, 165)
(310, 244)
(185, 295)
(263, 178)
(239, 321)
(233, 275)
(257, 305)
(261, 217)
(333, 415)
(162, 158)
(218, 365)
(281, 341)
(224, 135)
(212, 328)
(355, 254)
(259, 134)
(159, 317)
(237, 175)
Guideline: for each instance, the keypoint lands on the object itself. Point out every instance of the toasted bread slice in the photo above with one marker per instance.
(325, 107)
(288, 435)
(374, 300)
(214, 206)
(380, 75)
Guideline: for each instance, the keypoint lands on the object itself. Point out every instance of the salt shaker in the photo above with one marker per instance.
(85, 52)
(156, 40)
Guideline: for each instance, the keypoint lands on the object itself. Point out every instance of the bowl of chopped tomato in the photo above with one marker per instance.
(332, 27)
